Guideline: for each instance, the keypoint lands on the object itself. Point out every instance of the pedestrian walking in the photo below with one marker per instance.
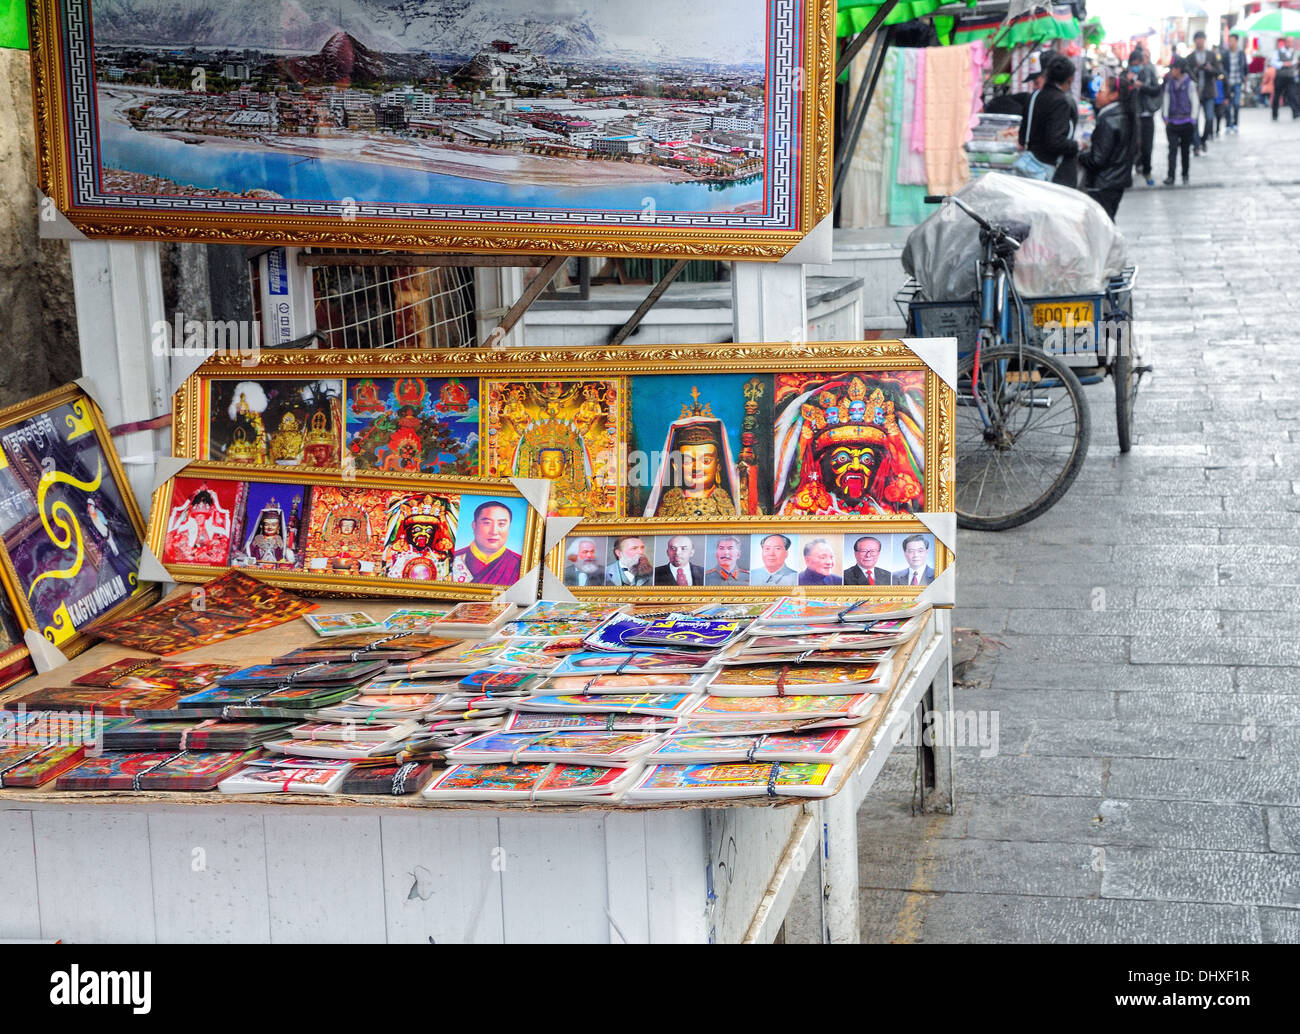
(1203, 65)
(1142, 76)
(1180, 108)
(1283, 64)
(1266, 83)
(1047, 132)
(1234, 78)
(1108, 163)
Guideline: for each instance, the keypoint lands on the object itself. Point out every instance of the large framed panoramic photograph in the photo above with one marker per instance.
(573, 126)
(799, 433)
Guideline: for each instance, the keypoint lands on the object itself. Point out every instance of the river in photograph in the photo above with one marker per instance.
(333, 179)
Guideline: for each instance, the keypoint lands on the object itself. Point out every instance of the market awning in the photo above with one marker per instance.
(1030, 28)
(854, 15)
(1285, 22)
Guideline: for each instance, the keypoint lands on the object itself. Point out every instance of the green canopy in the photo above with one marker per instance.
(13, 24)
(1034, 29)
(1093, 30)
(1284, 22)
(854, 15)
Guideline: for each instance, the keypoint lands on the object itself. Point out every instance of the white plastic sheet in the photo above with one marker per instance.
(1072, 246)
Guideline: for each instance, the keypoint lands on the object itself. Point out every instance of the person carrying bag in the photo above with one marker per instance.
(1047, 134)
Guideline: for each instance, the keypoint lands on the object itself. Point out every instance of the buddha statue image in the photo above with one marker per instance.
(287, 442)
(696, 476)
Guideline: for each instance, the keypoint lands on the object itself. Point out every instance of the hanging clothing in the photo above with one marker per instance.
(907, 205)
(947, 117)
(911, 161)
(864, 199)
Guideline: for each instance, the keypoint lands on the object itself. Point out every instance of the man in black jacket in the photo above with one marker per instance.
(1235, 66)
(1143, 78)
(1203, 66)
(1048, 129)
(1108, 163)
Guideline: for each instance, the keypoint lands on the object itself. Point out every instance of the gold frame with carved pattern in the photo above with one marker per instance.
(265, 222)
(190, 403)
(142, 596)
(337, 584)
(825, 527)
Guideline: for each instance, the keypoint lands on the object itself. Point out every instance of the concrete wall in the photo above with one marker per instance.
(38, 329)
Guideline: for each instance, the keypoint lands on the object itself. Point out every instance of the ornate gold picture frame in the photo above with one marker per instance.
(497, 125)
(659, 561)
(343, 533)
(70, 530)
(742, 433)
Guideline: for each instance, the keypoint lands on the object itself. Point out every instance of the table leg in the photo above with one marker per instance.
(938, 761)
(839, 868)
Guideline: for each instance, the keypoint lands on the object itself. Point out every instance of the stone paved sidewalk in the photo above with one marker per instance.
(1147, 782)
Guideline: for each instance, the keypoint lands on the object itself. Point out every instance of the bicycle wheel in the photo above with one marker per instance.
(1124, 392)
(1022, 435)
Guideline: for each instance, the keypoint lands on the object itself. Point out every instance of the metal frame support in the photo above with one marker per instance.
(943, 755)
(859, 41)
(657, 292)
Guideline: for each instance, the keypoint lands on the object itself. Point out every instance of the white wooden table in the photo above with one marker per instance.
(208, 867)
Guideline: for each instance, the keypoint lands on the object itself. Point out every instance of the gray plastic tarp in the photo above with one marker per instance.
(1072, 246)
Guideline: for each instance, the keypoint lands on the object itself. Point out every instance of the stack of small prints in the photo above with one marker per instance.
(564, 702)
(657, 704)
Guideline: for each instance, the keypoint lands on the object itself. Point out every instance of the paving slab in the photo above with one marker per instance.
(1142, 638)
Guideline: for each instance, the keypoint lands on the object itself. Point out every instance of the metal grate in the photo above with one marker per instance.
(394, 306)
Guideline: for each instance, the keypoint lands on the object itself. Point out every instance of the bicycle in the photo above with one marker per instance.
(1023, 424)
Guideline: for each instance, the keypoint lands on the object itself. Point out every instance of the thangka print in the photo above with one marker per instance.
(850, 443)
(565, 431)
(424, 424)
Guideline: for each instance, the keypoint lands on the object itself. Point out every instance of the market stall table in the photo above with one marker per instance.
(158, 866)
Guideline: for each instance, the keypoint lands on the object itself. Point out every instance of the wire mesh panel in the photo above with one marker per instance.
(394, 306)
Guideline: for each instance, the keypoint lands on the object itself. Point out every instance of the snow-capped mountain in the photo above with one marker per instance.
(560, 30)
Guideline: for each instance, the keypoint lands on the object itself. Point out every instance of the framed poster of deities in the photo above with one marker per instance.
(69, 526)
(576, 127)
(738, 433)
(355, 534)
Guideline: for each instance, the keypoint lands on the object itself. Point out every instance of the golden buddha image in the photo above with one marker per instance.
(287, 441)
(343, 531)
(564, 431)
(321, 443)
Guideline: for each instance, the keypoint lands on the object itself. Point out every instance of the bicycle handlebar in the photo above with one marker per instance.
(935, 199)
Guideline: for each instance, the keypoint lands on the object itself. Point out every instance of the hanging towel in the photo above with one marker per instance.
(906, 200)
(947, 117)
(918, 104)
(911, 161)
